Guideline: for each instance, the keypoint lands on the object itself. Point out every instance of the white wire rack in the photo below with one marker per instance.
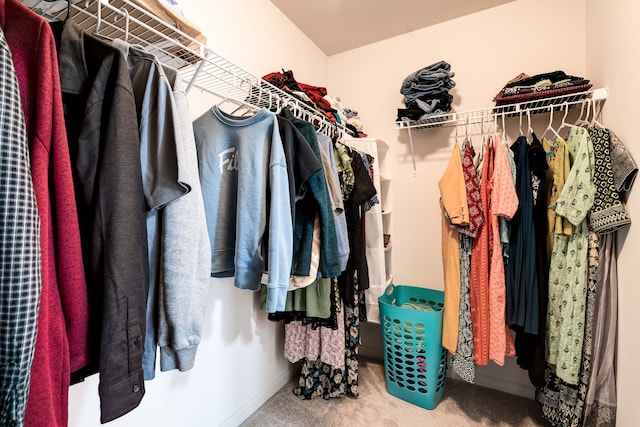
(594, 98)
(198, 64)
(543, 105)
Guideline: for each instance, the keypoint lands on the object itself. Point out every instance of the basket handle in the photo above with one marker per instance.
(390, 289)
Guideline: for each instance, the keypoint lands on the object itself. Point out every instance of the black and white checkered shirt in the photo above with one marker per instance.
(20, 281)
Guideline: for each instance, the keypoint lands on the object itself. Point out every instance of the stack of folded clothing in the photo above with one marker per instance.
(426, 93)
(317, 98)
(524, 88)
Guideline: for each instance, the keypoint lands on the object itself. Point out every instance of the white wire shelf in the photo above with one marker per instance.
(491, 114)
(483, 115)
(198, 64)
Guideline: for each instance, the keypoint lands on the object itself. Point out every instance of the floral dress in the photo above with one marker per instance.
(569, 267)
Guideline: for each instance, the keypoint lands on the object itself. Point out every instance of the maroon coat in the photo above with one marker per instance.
(61, 344)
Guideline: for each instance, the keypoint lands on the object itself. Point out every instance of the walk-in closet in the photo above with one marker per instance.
(213, 280)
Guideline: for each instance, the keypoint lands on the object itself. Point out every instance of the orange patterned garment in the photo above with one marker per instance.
(504, 202)
(480, 259)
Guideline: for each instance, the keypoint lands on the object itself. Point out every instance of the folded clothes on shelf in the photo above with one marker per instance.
(317, 98)
(426, 93)
(524, 88)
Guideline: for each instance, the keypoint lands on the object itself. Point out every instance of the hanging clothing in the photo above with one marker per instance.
(607, 213)
(559, 167)
(345, 172)
(568, 270)
(244, 156)
(504, 203)
(373, 229)
(318, 379)
(601, 398)
(480, 261)
(357, 272)
(312, 304)
(20, 258)
(563, 404)
(302, 164)
(530, 347)
(474, 204)
(104, 141)
(462, 362)
(158, 127)
(322, 343)
(185, 251)
(298, 282)
(329, 260)
(625, 169)
(333, 182)
(63, 317)
(522, 284)
(455, 210)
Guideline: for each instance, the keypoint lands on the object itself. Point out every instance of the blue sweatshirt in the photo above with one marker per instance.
(245, 187)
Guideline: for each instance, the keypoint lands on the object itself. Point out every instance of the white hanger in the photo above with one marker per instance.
(466, 130)
(456, 132)
(564, 123)
(529, 123)
(504, 129)
(98, 16)
(596, 113)
(485, 126)
(550, 126)
(520, 124)
(126, 23)
(581, 112)
(584, 122)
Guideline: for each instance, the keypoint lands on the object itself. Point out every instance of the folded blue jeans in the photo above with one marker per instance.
(438, 70)
(414, 95)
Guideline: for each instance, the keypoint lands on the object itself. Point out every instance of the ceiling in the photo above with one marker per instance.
(339, 25)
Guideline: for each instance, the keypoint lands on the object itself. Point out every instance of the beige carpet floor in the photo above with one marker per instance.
(462, 405)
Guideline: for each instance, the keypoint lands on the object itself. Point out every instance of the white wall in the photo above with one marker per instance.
(485, 50)
(239, 364)
(613, 56)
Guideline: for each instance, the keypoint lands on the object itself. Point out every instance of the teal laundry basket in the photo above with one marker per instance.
(415, 363)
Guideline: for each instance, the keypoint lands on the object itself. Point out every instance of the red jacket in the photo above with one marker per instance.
(61, 344)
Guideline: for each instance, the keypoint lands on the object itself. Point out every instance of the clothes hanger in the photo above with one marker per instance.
(456, 132)
(279, 105)
(581, 113)
(249, 108)
(66, 18)
(96, 29)
(530, 129)
(483, 119)
(550, 126)
(564, 123)
(596, 113)
(520, 125)
(126, 24)
(466, 130)
(584, 121)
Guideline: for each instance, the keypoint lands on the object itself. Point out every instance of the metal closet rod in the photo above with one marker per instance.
(543, 105)
(197, 63)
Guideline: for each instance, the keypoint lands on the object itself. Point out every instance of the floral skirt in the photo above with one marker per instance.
(318, 379)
